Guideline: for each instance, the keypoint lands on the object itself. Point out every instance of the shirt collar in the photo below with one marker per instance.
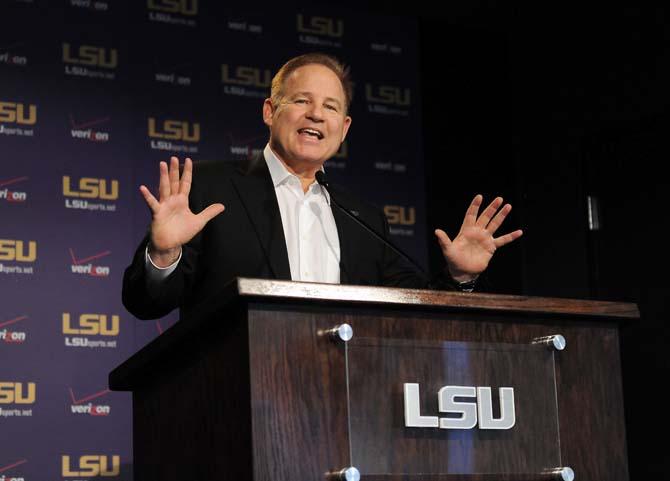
(280, 173)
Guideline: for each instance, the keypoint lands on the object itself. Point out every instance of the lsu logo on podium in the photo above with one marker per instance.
(18, 113)
(16, 250)
(325, 26)
(91, 325)
(90, 465)
(246, 76)
(18, 392)
(174, 130)
(91, 56)
(181, 7)
(91, 188)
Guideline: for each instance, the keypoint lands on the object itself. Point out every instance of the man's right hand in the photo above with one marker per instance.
(173, 224)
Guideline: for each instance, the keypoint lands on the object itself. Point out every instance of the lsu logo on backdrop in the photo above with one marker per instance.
(19, 253)
(78, 331)
(90, 465)
(91, 56)
(8, 336)
(18, 396)
(16, 250)
(245, 81)
(84, 266)
(15, 196)
(81, 193)
(165, 134)
(175, 12)
(174, 130)
(79, 406)
(16, 118)
(247, 76)
(18, 113)
(388, 99)
(90, 61)
(317, 30)
(401, 219)
(18, 392)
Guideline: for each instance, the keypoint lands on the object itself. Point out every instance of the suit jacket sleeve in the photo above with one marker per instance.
(144, 303)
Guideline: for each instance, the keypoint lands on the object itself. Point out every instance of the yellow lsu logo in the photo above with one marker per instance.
(15, 112)
(14, 250)
(175, 130)
(13, 393)
(387, 94)
(91, 325)
(91, 56)
(91, 465)
(242, 75)
(91, 188)
(183, 7)
(399, 215)
(320, 26)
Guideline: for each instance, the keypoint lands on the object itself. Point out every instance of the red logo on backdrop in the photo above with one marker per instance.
(6, 468)
(83, 266)
(89, 130)
(10, 335)
(84, 406)
(12, 194)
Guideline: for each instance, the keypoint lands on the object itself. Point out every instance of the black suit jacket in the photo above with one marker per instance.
(247, 240)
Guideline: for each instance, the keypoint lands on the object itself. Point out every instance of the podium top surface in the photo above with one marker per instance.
(379, 296)
(242, 291)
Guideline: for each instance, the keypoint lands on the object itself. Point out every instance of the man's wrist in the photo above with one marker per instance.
(163, 258)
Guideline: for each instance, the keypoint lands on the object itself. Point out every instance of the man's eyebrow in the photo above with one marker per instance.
(309, 94)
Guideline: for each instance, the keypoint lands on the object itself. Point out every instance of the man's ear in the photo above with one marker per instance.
(345, 127)
(268, 112)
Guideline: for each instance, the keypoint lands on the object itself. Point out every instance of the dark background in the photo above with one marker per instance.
(546, 104)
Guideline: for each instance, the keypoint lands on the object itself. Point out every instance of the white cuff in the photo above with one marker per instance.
(156, 274)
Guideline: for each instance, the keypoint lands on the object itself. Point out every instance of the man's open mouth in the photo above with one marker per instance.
(313, 132)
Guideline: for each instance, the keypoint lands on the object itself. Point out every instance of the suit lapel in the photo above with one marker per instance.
(255, 189)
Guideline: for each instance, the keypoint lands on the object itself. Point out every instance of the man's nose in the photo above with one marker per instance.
(315, 112)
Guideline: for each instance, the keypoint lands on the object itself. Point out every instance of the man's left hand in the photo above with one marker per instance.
(470, 252)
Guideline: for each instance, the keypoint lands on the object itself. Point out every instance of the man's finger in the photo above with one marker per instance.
(186, 176)
(211, 211)
(471, 213)
(489, 212)
(164, 182)
(507, 238)
(174, 175)
(442, 239)
(150, 199)
(499, 218)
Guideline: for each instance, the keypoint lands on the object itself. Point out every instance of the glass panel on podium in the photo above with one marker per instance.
(451, 407)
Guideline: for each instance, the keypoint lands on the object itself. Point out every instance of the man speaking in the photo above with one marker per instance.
(278, 221)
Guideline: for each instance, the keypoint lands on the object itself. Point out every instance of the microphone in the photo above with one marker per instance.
(321, 179)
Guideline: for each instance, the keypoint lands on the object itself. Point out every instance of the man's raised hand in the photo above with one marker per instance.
(470, 252)
(173, 224)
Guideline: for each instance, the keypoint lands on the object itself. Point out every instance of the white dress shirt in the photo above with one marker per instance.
(312, 241)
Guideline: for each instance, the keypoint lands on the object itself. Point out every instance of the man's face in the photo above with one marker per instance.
(310, 122)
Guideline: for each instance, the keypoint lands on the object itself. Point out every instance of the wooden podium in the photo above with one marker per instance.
(260, 385)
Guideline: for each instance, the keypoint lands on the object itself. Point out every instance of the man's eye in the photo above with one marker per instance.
(331, 107)
(301, 101)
